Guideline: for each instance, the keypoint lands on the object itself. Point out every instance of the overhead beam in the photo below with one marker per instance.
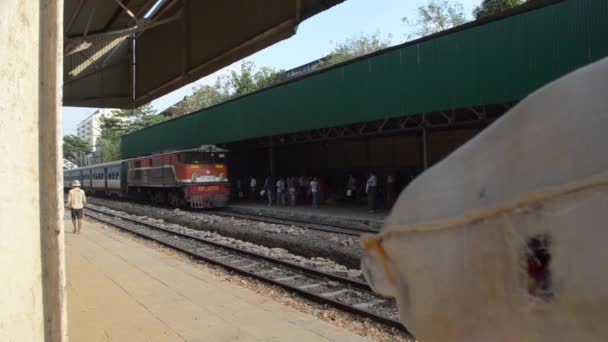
(74, 16)
(115, 15)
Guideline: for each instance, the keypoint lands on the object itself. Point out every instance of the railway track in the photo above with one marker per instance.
(330, 228)
(294, 222)
(346, 294)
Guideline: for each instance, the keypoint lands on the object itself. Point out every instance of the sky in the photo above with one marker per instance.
(315, 38)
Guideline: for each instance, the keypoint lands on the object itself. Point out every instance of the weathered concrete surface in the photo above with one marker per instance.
(122, 290)
(21, 293)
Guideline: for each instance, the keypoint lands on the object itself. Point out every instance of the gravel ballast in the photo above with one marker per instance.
(342, 249)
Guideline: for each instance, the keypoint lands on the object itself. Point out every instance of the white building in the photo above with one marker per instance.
(89, 129)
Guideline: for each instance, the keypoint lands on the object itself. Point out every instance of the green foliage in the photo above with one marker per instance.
(357, 46)
(73, 146)
(109, 149)
(436, 16)
(490, 7)
(248, 79)
(235, 83)
(124, 121)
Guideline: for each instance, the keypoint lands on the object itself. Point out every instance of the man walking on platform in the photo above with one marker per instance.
(371, 188)
(76, 202)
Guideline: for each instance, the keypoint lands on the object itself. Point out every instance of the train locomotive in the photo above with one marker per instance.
(197, 178)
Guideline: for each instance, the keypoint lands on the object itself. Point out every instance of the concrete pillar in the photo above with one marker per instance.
(31, 244)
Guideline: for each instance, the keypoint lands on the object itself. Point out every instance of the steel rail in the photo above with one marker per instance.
(330, 228)
(349, 284)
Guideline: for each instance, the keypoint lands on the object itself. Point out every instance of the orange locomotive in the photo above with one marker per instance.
(195, 177)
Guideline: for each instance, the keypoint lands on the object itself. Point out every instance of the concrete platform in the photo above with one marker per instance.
(339, 214)
(122, 290)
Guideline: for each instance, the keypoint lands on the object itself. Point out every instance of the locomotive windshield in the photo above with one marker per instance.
(202, 158)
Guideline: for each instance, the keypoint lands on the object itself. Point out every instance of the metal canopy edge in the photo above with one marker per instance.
(125, 53)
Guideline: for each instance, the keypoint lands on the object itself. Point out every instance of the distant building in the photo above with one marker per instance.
(89, 129)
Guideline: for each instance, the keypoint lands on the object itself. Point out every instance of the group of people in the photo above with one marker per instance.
(289, 191)
(372, 189)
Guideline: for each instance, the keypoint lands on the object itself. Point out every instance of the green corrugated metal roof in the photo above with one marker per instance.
(501, 61)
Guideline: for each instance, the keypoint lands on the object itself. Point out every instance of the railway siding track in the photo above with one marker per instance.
(322, 287)
(330, 228)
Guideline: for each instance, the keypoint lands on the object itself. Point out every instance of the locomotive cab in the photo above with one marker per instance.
(205, 176)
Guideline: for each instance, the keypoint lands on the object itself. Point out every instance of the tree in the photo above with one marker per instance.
(109, 149)
(490, 7)
(124, 121)
(73, 146)
(357, 46)
(249, 80)
(437, 16)
(235, 83)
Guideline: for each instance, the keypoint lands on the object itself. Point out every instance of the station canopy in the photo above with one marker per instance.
(125, 53)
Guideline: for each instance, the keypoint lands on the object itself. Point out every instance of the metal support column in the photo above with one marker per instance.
(424, 148)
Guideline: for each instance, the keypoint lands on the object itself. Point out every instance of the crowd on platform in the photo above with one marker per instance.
(376, 191)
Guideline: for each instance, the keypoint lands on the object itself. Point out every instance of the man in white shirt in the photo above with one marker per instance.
(371, 188)
(252, 186)
(314, 190)
(76, 202)
(281, 191)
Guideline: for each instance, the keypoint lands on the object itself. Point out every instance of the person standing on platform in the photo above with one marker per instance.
(269, 189)
(76, 201)
(301, 188)
(391, 189)
(239, 190)
(281, 191)
(351, 188)
(314, 190)
(371, 188)
(291, 188)
(252, 188)
(322, 190)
